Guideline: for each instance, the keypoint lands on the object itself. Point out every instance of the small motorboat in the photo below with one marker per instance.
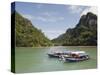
(80, 57)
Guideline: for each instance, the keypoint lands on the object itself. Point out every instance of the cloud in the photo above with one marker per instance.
(90, 9)
(40, 18)
(27, 16)
(53, 33)
(45, 17)
(75, 9)
(31, 17)
(49, 13)
(39, 6)
(46, 14)
(50, 17)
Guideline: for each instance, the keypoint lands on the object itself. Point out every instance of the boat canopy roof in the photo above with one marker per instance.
(69, 52)
(78, 52)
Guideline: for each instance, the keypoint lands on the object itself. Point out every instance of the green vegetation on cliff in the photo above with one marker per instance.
(27, 35)
(85, 32)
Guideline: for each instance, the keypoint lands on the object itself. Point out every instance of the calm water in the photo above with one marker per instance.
(36, 59)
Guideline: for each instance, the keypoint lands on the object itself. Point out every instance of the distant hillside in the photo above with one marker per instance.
(85, 32)
(27, 35)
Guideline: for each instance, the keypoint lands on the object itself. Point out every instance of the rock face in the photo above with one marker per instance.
(85, 32)
(27, 35)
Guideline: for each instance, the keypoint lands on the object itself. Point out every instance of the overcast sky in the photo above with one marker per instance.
(52, 19)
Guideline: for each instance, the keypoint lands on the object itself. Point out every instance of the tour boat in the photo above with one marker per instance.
(79, 57)
(70, 56)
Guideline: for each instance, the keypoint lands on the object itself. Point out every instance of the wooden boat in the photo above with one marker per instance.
(80, 57)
